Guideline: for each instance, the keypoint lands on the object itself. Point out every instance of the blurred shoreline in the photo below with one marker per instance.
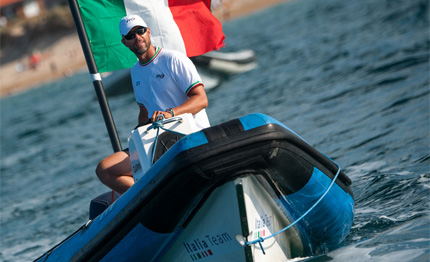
(62, 56)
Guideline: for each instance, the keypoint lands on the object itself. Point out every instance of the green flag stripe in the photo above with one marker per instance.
(101, 19)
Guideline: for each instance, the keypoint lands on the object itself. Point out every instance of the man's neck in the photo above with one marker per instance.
(145, 57)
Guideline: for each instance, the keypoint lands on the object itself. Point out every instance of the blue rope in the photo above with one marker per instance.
(159, 123)
(261, 239)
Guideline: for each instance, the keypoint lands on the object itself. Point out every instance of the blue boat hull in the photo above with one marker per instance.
(169, 212)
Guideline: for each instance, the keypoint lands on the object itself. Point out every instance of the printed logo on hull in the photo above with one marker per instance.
(261, 225)
(199, 248)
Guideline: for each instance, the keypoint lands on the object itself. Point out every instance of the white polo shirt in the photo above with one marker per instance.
(165, 81)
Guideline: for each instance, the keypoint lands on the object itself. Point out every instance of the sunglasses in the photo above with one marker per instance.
(132, 34)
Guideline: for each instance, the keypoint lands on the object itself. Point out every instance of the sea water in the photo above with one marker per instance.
(351, 77)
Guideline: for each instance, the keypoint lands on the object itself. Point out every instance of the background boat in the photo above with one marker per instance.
(213, 67)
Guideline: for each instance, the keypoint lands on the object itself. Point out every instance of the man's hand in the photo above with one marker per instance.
(158, 113)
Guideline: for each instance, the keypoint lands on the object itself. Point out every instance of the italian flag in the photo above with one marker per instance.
(184, 25)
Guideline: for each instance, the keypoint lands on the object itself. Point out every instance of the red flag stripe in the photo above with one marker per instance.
(200, 30)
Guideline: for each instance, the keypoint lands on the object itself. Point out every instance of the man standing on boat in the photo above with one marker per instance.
(165, 82)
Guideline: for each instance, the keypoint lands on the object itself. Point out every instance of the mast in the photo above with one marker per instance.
(95, 76)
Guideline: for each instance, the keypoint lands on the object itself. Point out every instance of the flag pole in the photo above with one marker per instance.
(95, 76)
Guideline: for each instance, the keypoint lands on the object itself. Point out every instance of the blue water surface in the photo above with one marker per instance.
(350, 77)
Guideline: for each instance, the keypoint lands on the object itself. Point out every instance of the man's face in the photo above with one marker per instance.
(138, 40)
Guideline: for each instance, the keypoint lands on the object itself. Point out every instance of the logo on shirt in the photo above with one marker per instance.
(138, 83)
(160, 76)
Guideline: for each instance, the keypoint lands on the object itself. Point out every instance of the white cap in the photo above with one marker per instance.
(130, 21)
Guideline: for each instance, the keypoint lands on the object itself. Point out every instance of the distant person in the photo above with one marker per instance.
(34, 60)
(53, 67)
(165, 82)
(226, 9)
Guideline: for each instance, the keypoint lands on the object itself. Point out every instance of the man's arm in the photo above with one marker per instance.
(198, 101)
(143, 114)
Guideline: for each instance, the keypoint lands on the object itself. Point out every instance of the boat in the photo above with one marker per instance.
(227, 63)
(249, 189)
(213, 68)
(119, 82)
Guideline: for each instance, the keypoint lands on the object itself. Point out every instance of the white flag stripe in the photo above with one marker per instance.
(164, 31)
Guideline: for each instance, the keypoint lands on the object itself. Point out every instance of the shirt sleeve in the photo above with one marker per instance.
(185, 73)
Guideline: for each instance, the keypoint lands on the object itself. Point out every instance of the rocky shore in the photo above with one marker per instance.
(53, 56)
